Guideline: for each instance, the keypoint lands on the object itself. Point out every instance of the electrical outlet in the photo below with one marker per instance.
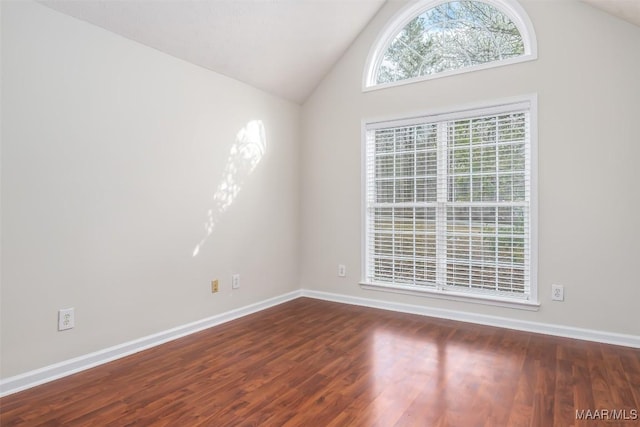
(214, 286)
(66, 319)
(235, 281)
(342, 270)
(557, 292)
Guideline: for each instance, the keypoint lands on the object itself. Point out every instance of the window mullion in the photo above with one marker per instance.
(496, 144)
(415, 200)
(393, 210)
(441, 211)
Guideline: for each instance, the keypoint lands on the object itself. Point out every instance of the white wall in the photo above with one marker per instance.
(588, 90)
(112, 155)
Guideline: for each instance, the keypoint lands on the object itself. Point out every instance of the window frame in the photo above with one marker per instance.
(511, 8)
(453, 113)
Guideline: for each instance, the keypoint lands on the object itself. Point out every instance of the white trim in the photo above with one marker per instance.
(364, 255)
(68, 367)
(533, 197)
(484, 108)
(477, 298)
(483, 319)
(510, 7)
(458, 111)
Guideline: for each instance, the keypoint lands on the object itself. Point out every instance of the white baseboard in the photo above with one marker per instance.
(482, 319)
(68, 367)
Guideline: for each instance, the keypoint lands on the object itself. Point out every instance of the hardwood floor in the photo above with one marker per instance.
(318, 363)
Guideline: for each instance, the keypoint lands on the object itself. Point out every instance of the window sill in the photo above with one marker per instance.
(453, 296)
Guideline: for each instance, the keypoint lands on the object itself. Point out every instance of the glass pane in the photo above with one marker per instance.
(486, 247)
(450, 36)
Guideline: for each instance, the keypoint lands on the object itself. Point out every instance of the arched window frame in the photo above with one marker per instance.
(511, 8)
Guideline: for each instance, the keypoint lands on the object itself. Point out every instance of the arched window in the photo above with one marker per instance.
(434, 38)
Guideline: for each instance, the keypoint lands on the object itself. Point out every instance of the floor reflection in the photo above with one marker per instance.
(435, 375)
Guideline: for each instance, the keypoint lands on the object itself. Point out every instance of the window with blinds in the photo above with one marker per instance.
(448, 203)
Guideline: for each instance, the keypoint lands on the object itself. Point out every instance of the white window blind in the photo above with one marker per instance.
(448, 202)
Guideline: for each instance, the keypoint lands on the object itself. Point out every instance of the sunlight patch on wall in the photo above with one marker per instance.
(244, 155)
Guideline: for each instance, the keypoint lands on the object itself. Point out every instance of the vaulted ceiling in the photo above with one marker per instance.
(629, 10)
(284, 47)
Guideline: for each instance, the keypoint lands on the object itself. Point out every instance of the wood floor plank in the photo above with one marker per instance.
(631, 366)
(316, 363)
